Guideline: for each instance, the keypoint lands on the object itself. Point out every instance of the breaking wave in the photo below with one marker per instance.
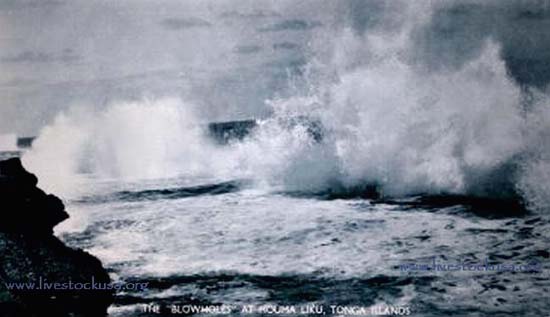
(385, 119)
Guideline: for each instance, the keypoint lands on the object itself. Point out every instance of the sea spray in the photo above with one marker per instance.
(146, 139)
(386, 120)
(8, 142)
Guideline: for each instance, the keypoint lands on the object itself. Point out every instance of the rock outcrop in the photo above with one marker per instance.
(33, 260)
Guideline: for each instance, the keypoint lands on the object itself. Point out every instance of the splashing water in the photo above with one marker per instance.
(129, 140)
(386, 120)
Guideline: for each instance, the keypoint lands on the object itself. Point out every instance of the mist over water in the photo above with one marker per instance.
(149, 139)
(386, 119)
(8, 142)
(380, 124)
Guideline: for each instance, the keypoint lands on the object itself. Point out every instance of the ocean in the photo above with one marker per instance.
(266, 217)
(373, 158)
(208, 243)
(229, 243)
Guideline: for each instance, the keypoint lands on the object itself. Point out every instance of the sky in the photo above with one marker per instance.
(226, 56)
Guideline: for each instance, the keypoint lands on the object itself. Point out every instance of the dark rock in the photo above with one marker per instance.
(27, 209)
(224, 132)
(25, 142)
(30, 253)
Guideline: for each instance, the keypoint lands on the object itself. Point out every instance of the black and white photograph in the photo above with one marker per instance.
(287, 158)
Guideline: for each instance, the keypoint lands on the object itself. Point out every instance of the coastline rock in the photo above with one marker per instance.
(32, 255)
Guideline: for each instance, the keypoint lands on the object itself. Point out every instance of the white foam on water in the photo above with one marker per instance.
(387, 120)
(129, 140)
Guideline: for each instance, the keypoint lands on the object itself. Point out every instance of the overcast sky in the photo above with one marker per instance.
(226, 56)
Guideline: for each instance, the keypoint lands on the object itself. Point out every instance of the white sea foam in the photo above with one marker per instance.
(386, 119)
(128, 140)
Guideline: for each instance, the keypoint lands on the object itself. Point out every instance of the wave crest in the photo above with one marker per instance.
(366, 114)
